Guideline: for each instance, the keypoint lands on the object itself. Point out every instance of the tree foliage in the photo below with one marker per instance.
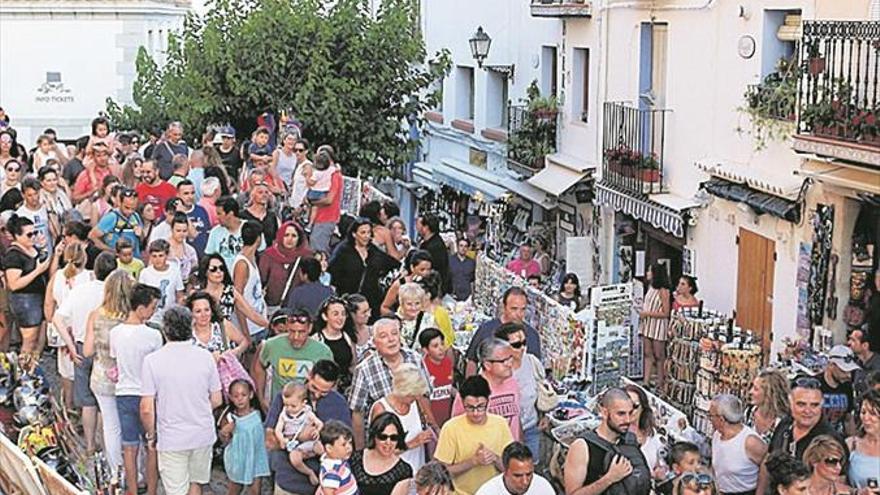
(356, 79)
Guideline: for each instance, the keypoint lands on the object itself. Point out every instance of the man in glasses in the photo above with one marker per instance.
(737, 451)
(471, 445)
(837, 390)
(327, 403)
(291, 356)
(586, 470)
(794, 433)
(496, 366)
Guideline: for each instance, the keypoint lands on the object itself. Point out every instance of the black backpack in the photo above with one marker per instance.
(639, 481)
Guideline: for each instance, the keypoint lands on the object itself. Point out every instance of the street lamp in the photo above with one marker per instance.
(480, 44)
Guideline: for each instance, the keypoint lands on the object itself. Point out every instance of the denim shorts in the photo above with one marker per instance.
(82, 374)
(128, 407)
(26, 308)
(313, 195)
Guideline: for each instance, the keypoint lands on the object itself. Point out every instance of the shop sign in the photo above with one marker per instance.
(53, 90)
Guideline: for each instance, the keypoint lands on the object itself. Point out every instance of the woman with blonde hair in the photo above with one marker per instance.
(113, 311)
(60, 284)
(131, 171)
(407, 384)
(413, 317)
(827, 458)
(769, 403)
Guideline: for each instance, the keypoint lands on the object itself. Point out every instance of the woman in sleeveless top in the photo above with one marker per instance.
(378, 469)
(418, 263)
(653, 322)
(329, 328)
(864, 457)
(284, 160)
(684, 296)
(407, 383)
(211, 331)
(252, 293)
(113, 311)
(768, 403)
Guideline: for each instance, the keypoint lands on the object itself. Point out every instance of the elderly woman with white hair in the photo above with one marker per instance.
(412, 300)
(737, 450)
(407, 385)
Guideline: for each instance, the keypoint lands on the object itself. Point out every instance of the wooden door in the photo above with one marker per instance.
(754, 289)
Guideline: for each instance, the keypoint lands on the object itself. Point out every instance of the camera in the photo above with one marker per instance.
(43, 256)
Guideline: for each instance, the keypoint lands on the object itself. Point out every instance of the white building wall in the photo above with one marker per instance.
(93, 47)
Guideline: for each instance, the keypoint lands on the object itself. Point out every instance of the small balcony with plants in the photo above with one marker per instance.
(531, 131)
(561, 8)
(633, 142)
(838, 100)
(771, 105)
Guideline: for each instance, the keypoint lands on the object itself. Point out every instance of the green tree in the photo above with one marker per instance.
(357, 81)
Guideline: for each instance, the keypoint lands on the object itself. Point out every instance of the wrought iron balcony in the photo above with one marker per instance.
(633, 141)
(531, 135)
(773, 101)
(561, 8)
(838, 102)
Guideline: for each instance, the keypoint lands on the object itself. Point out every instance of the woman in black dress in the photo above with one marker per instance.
(330, 328)
(357, 265)
(378, 469)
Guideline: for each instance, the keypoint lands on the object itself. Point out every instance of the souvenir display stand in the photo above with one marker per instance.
(609, 334)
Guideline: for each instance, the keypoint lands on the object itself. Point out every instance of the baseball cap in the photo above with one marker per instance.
(222, 132)
(843, 357)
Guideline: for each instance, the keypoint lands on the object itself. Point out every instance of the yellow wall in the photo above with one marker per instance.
(851, 10)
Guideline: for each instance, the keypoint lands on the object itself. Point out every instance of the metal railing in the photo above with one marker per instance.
(531, 135)
(838, 86)
(633, 143)
(773, 101)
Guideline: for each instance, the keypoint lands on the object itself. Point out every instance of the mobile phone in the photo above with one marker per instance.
(873, 484)
(43, 256)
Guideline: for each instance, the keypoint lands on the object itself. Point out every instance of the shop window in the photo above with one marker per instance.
(548, 70)
(496, 100)
(779, 38)
(464, 93)
(581, 78)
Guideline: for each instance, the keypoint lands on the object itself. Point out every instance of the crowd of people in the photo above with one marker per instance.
(213, 307)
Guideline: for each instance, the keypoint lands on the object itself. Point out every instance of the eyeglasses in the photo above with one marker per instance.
(807, 382)
(519, 344)
(303, 319)
(701, 480)
(503, 361)
(215, 268)
(480, 408)
(13, 169)
(833, 461)
(299, 150)
(384, 438)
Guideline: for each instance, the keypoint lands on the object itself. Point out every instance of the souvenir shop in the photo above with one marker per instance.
(865, 261)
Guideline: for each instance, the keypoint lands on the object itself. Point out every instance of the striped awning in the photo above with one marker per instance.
(663, 217)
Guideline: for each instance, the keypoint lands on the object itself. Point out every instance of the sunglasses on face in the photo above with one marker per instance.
(519, 344)
(700, 480)
(299, 150)
(808, 382)
(833, 461)
(384, 438)
(215, 268)
(31, 234)
(13, 169)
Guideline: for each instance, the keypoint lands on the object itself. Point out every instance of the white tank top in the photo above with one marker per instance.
(412, 424)
(285, 166)
(253, 292)
(734, 471)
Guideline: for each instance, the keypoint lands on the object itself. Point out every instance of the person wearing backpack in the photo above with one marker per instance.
(608, 459)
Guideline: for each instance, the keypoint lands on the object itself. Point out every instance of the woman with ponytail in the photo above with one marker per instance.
(59, 286)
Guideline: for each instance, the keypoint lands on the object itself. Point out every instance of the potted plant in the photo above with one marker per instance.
(542, 107)
(815, 60)
(623, 160)
(865, 125)
(649, 168)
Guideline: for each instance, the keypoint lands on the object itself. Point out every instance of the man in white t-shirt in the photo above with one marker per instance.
(70, 320)
(163, 276)
(130, 343)
(519, 476)
(34, 210)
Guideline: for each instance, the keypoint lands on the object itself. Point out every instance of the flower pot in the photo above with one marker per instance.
(816, 65)
(546, 114)
(649, 175)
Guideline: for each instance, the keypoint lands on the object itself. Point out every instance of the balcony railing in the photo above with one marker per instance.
(561, 8)
(531, 135)
(773, 101)
(838, 88)
(633, 141)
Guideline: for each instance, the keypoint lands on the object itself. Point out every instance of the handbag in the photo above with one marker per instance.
(547, 397)
(230, 369)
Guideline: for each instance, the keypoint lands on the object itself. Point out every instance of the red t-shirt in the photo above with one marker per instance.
(84, 183)
(156, 195)
(441, 382)
(331, 213)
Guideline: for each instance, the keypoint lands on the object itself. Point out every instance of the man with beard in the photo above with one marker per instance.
(152, 189)
(519, 476)
(585, 470)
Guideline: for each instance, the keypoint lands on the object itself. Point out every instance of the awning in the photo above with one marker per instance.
(469, 179)
(530, 192)
(763, 179)
(760, 202)
(556, 179)
(838, 174)
(661, 216)
(423, 173)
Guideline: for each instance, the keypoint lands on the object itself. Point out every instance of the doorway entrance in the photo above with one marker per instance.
(754, 286)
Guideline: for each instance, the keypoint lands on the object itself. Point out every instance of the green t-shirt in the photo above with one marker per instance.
(290, 364)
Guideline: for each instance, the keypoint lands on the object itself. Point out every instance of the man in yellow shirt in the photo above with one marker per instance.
(470, 445)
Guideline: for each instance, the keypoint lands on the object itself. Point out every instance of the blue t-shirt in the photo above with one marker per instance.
(199, 217)
(115, 225)
(332, 406)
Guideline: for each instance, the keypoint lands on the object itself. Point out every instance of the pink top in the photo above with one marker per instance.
(524, 268)
(210, 209)
(504, 402)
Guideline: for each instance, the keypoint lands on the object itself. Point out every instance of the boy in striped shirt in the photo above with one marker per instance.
(335, 474)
